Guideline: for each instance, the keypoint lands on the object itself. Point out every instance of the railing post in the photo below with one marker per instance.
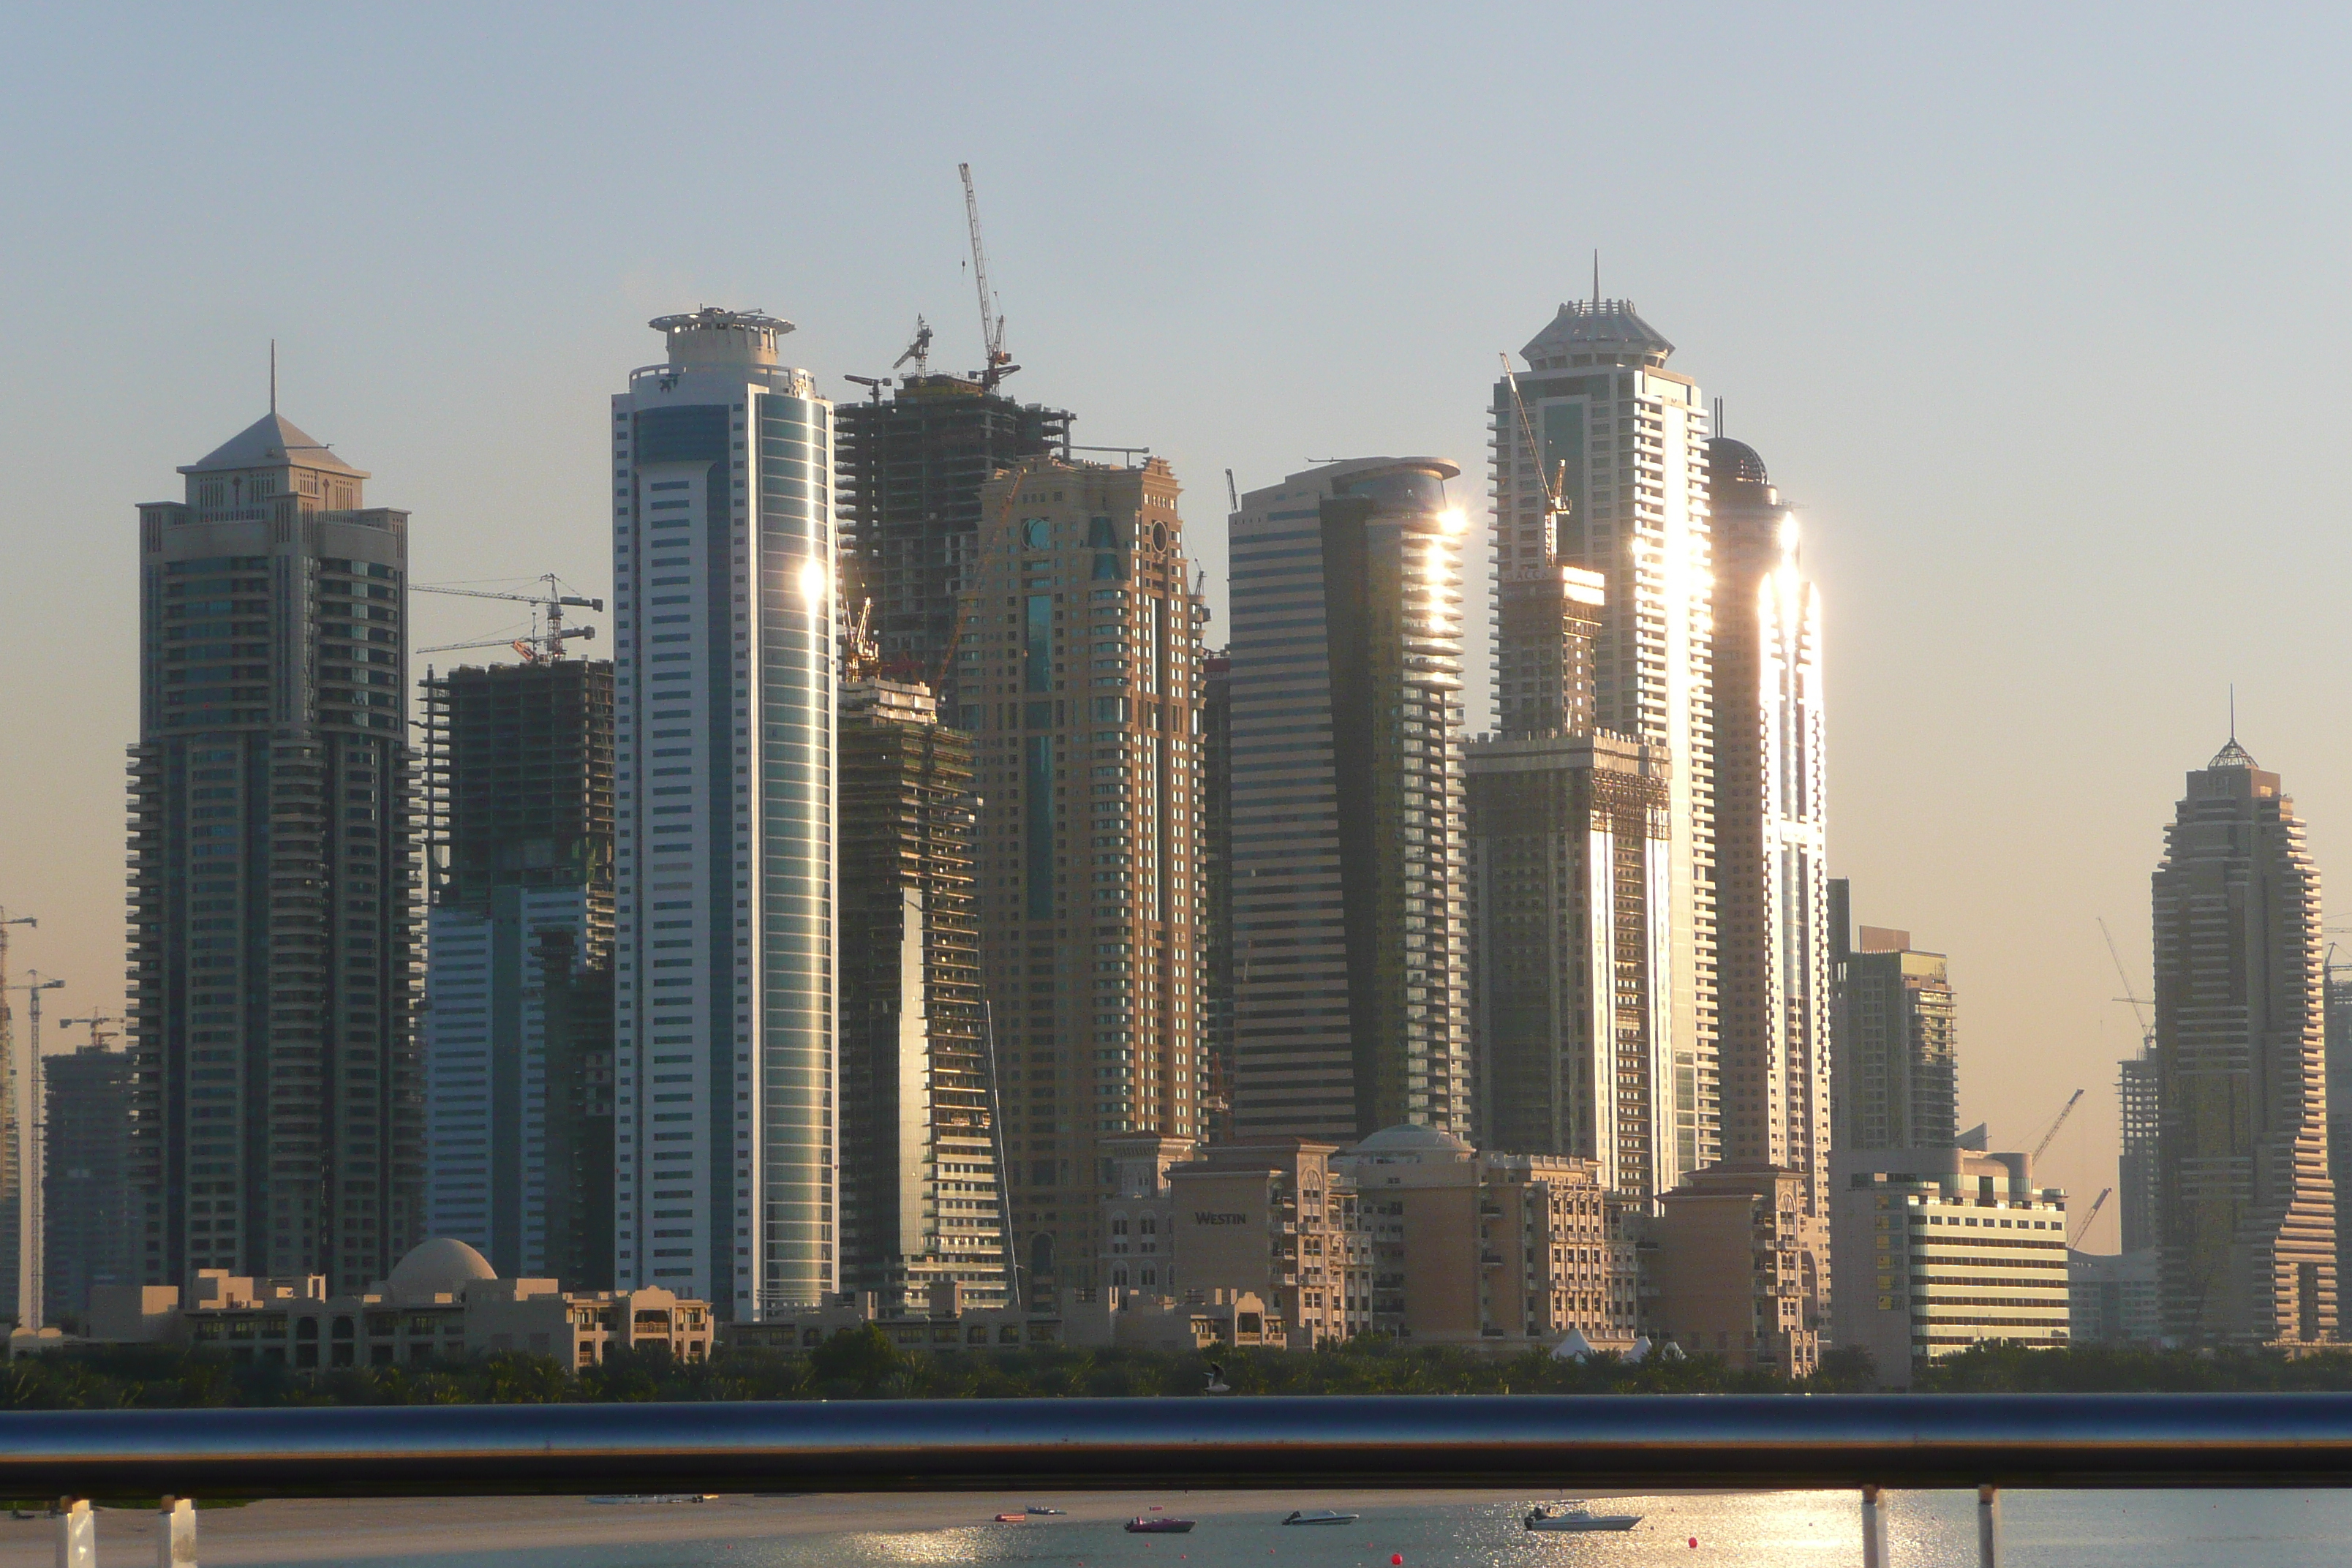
(175, 1534)
(1874, 1531)
(1988, 1527)
(76, 1534)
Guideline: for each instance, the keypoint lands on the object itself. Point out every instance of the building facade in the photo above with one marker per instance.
(1217, 879)
(2246, 1215)
(1894, 1078)
(1570, 952)
(1621, 441)
(1739, 1268)
(85, 1211)
(2112, 1297)
(1771, 825)
(518, 771)
(1078, 670)
(922, 1200)
(1939, 1249)
(911, 467)
(278, 1111)
(1350, 969)
(724, 674)
(2137, 1185)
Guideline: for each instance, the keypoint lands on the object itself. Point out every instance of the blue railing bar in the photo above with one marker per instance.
(1541, 1442)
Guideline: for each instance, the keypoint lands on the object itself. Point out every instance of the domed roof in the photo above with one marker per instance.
(1410, 1137)
(441, 1266)
(1733, 462)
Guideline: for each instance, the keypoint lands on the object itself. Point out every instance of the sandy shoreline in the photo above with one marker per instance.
(310, 1529)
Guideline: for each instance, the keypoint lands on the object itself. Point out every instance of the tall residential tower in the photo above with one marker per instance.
(1350, 983)
(276, 1105)
(1623, 438)
(724, 650)
(2246, 1215)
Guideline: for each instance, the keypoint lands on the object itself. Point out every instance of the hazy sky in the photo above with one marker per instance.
(2038, 311)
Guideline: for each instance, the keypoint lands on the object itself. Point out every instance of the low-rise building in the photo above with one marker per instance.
(443, 1301)
(1938, 1250)
(1737, 1268)
(2113, 1297)
(1091, 1320)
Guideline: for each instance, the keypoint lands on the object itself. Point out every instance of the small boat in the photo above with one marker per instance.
(1575, 1516)
(1042, 1511)
(1145, 1525)
(1320, 1516)
(1012, 1519)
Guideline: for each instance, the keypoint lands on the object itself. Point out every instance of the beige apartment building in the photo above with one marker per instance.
(1079, 671)
(1737, 1268)
(443, 1301)
(1938, 1250)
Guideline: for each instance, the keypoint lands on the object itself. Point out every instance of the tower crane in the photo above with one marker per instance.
(546, 646)
(2139, 1004)
(2064, 1111)
(98, 1033)
(919, 349)
(2097, 1204)
(1554, 483)
(991, 319)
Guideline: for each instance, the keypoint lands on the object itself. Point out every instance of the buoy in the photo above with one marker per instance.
(1396, 1560)
(1693, 1543)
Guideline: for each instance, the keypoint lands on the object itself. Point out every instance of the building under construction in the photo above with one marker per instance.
(910, 465)
(519, 1050)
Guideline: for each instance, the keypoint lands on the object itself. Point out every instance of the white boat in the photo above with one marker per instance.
(1320, 1516)
(1575, 1516)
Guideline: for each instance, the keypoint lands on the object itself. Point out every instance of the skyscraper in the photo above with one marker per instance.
(278, 1122)
(1568, 919)
(1623, 438)
(1771, 887)
(1217, 916)
(2136, 1187)
(921, 1197)
(87, 1212)
(911, 466)
(1894, 1080)
(1079, 666)
(724, 650)
(2246, 1214)
(1348, 859)
(519, 768)
(2337, 998)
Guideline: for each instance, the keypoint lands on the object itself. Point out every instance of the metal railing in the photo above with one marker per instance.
(1650, 1443)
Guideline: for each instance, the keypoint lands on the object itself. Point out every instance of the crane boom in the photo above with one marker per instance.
(2096, 1205)
(547, 645)
(2139, 1008)
(992, 320)
(2064, 1112)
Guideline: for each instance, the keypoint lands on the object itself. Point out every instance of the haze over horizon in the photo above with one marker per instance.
(2026, 311)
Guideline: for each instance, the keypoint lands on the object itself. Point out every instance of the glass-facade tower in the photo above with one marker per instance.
(723, 567)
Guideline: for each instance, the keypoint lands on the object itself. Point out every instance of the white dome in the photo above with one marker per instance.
(1409, 1138)
(441, 1266)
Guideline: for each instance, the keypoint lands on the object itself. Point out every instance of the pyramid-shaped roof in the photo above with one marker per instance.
(2232, 756)
(1609, 327)
(271, 441)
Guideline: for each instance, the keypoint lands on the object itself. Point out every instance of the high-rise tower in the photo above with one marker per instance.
(1079, 666)
(1625, 436)
(920, 1198)
(1771, 881)
(2246, 1215)
(724, 650)
(278, 1127)
(1894, 1080)
(519, 765)
(911, 466)
(87, 1211)
(1347, 849)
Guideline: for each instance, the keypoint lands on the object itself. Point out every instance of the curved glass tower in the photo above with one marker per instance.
(722, 577)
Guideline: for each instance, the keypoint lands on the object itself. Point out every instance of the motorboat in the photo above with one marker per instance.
(1143, 1524)
(1575, 1516)
(1042, 1511)
(1320, 1516)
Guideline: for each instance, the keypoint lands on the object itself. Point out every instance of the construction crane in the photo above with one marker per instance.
(991, 319)
(540, 645)
(1554, 483)
(2064, 1111)
(2097, 1204)
(99, 1036)
(2139, 1006)
(919, 349)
